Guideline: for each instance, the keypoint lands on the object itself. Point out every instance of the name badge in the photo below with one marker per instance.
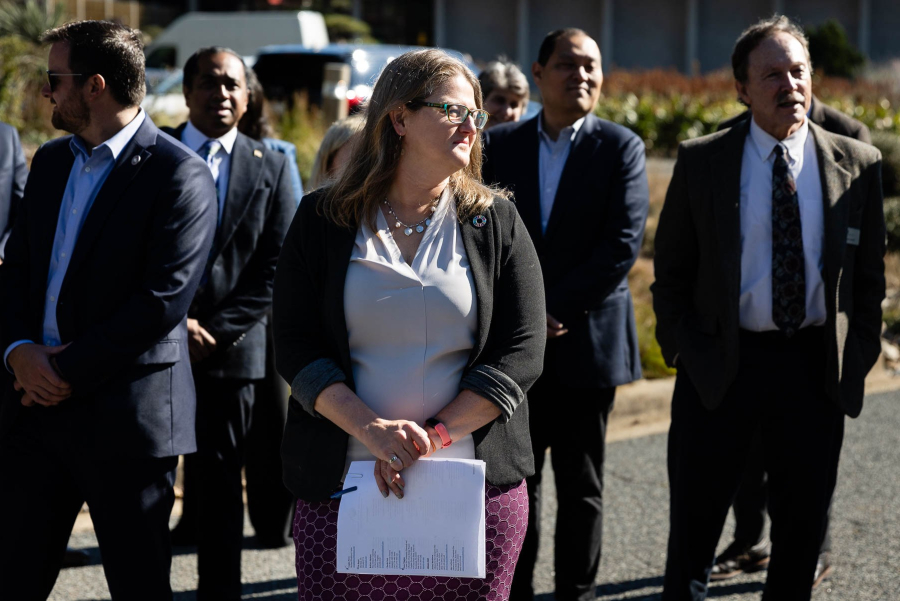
(853, 236)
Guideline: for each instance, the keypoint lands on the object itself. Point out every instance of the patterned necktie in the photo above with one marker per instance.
(209, 150)
(788, 265)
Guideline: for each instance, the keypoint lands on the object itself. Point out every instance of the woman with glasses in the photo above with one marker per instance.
(410, 321)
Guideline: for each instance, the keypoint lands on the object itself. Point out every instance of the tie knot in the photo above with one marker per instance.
(780, 152)
(210, 148)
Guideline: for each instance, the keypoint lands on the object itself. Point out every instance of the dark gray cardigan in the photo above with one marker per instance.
(312, 349)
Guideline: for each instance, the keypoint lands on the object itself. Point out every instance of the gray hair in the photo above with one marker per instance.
(502, 74)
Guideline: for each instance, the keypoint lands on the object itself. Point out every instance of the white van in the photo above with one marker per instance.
(243, 32)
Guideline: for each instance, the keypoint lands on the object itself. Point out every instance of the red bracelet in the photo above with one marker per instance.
(441, 429)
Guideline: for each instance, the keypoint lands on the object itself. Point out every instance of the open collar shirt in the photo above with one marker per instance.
(86, 178)
(552, 160)
(756, 225)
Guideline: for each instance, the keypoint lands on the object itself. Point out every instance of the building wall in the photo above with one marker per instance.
(884, 36)
(719, 24)
(649, 34)
(656, 33)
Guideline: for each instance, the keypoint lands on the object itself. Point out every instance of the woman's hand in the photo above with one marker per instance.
(396, 444)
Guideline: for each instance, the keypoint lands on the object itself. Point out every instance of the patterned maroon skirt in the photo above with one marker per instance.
(315, 539)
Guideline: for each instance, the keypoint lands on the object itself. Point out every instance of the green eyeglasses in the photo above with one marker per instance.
(457, 113)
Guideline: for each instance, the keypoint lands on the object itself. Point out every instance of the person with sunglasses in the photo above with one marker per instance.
(115, 228)
(582, 190)
(409, 320)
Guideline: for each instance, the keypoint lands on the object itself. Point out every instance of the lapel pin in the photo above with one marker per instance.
(257, 153)
(479, 221)
(136, 159)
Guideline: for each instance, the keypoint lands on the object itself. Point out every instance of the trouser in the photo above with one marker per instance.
(269, 504)
(779, 391)
(572, 423)
(224, 407)
(48, 475)
(752, 499)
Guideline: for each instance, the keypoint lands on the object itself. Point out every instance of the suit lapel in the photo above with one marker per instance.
(54, 188)
(130, 162)
(569, 192)
(525, 172)
(725, 170)
(480, 252)
(836, 206)
(243, 180)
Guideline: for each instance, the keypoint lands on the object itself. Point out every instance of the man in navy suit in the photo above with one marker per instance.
(114, 230)
(227, 320)
(581, 188)
(13, 173)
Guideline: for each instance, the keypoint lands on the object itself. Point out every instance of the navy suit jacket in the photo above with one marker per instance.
(13, 173)
(125, 296)
(234, 303)
(593, 238)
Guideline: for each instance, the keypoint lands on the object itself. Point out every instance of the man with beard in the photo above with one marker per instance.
(581, 188)
(115, 227)
(227, 319)
(769, 280)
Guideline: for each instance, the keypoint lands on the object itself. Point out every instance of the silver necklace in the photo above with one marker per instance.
(418, 227)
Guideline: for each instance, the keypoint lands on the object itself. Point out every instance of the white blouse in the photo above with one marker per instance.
(411, 327)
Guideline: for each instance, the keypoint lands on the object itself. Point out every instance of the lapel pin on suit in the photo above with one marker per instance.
(136, 159)
(479, 221)
(257, 153)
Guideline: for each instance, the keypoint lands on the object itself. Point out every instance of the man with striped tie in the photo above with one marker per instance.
(227, 320)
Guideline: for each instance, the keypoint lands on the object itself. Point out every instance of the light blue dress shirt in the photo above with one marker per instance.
(220, 163)
(552, 160)
(88, 174)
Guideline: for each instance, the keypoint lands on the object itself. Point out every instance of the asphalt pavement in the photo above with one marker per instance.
(866, 529)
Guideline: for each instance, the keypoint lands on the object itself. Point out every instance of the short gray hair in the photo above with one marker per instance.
(755, 34)
(503, 75)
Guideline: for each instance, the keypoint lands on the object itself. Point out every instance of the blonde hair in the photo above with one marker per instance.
(415, 75)
(340, 133)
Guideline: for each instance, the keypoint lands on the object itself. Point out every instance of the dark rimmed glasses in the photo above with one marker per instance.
(457, 113)
(51, 75)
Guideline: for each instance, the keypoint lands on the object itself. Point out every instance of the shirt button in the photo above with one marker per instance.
(74, 211)
(52, 299)
(63, 255)
(87, 169)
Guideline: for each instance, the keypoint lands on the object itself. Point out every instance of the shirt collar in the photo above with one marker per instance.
(567, 133)
(765, 143)
(117, 143)
(193, 138)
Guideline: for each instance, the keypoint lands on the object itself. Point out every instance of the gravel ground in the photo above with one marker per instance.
(866, 529)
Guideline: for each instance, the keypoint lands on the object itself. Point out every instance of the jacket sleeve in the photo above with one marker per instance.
(182, 230)
(514, 354)
(619, 239)
(251, 297)
(17, 191)
(675, 261)
(303, 356)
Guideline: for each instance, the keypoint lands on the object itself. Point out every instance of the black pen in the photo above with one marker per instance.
(341, 493)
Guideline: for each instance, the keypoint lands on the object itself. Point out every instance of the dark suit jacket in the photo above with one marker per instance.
(233, 304)
(13, 173)
(593, 238)
(125, 296)
(313, 350)
(698, 262)
(825, 117)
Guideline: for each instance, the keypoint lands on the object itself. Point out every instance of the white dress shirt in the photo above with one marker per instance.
(756, 225)
(552, 160)
(220, 163)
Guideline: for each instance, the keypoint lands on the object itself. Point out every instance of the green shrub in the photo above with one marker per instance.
(892, 222)
(652, 362)
(304, 126)
(344, 28)
(889, 145)
(22, 66)
(831, 51)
